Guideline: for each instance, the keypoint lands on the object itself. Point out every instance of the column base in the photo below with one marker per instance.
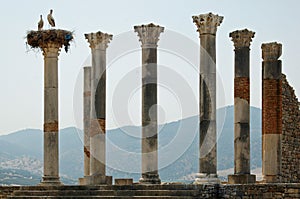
(203, 178)
(50, 181)
(98, 180)
(150, 179)
(241, 179)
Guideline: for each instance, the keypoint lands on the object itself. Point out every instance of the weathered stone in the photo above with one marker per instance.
(207, 27)
(124, 181)
(242, 40)
(86, 121)
(50, 42)
(149, 36)
(290, 140)
(98, 43)
(271, 112)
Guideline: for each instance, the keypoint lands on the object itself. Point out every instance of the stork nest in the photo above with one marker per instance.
(41, 39)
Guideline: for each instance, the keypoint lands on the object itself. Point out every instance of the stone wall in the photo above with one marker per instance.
(258, 191)
(247, 191)
(290, 134)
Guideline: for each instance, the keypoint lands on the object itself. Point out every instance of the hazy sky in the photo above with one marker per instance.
(21, 73)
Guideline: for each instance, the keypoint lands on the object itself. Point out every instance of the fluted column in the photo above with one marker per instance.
(149, 36)
(86, 122)
(207, 27)
(98, 44)
(271, 112)
(241, 40)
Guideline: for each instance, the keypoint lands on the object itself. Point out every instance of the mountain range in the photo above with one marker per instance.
(21, 153)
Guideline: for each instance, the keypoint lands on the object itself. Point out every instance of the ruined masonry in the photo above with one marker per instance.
(149, 36)
(50, 42)
(280, 122)
(241, 40)
(98, 43)
(207, 25)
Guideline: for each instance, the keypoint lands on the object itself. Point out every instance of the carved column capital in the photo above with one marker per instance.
(98, 40)
(271, 51)
(207, 23)
(51, 49)
(149, 34)
(242, 38)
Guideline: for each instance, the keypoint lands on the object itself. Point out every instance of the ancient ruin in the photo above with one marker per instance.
(280, 123)
(207, 25)
(149, 36)
(241, 40)
(98, 43)
(271, 112)
(50, 42)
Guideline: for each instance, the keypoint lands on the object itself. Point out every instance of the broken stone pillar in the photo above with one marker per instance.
(271, 112)
(50, 42)
(207, 27)
(98, 44)
(149, 36)
(241, 40)
(86, 122)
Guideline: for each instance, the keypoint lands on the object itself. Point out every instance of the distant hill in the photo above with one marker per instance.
(21, 152)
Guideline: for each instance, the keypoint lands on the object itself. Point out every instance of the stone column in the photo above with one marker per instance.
(51, 158)
(86, 122)
(50, 42)
(149, 36)
(207, 27)
(98, 44)
(241, 40)
(271, 112)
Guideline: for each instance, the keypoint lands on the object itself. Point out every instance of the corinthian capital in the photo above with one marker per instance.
(98, 40)
(149, 34)
(242, 38)
(271, 51)
(207, 23)
(51, 50)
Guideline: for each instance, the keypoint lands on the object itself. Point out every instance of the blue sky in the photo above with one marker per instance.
(21, 76)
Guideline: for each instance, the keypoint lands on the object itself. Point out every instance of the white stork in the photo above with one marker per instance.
(51, 19)
(41, 23)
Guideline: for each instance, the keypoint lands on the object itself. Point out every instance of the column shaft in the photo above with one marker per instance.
(208, 151)
(86, 118)
(51, 158)
(242, 112)
(271, 112)
(149, 114)
(98, 148)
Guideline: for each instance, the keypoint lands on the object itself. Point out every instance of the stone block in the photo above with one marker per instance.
(98, 180)
(124, 181)
(241, 179)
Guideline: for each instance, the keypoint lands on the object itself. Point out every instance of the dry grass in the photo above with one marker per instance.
(41, 39)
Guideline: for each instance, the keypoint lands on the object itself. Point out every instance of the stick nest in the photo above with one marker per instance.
(41, 39)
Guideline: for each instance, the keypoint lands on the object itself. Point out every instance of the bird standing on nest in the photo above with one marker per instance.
(51, 19)
(41, 23)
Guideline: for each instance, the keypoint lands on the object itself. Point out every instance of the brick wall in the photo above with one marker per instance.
(241, 88)
(273, 106)
(290, 134)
